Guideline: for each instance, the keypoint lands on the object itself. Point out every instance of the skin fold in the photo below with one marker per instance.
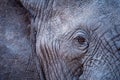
(69, 40)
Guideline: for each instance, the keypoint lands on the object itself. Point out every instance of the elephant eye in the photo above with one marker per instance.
(81, 40)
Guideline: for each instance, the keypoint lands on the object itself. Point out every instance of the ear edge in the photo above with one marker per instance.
(33, 6)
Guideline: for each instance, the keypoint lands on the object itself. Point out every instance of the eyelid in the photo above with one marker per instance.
(80, 33)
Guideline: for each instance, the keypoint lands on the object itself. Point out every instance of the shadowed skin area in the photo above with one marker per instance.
(75, 39)
(16, 61)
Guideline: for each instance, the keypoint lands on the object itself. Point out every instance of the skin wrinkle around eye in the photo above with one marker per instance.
(66, 26)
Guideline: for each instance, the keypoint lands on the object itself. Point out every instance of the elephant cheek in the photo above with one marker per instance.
(95, 74)
(103, 69)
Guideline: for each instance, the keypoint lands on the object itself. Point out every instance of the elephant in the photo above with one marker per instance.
(60, 40)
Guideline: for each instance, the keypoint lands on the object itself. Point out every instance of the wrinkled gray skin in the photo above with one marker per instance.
(60, 40)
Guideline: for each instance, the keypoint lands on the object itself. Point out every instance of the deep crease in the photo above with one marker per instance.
(109, 64)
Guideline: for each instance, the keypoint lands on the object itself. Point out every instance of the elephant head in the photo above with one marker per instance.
(76, 39)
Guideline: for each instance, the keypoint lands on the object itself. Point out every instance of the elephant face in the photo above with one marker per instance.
(77, 40)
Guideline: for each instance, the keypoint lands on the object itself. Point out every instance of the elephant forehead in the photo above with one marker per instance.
(69, 20)
(93, 15)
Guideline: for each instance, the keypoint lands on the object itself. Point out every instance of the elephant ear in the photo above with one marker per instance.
(33, 6)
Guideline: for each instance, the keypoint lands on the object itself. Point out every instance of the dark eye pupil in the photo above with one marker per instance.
(81, 40)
